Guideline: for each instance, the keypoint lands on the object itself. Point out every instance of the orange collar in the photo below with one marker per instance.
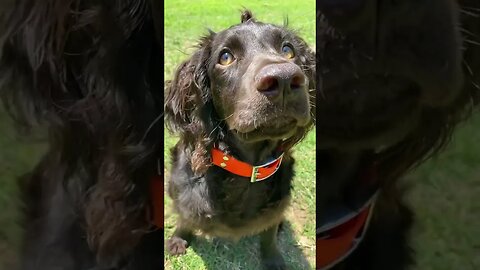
(337, 239)
(235, 166)
(343, 226)
(227, 162)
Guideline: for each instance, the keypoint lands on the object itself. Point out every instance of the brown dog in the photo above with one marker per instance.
(242, 99)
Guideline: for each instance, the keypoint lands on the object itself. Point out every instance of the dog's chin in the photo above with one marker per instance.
(368, 139)
(274, 130)
(372, 112)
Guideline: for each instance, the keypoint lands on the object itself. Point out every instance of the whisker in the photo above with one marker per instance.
(469, 41)
(228, 117)
(467, 66)
(154, 122)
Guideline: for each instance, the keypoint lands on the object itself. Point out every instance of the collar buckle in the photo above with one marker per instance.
(255, 170)
(255, 174)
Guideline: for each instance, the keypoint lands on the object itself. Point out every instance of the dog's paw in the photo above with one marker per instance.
(176, 246)
(274, 263)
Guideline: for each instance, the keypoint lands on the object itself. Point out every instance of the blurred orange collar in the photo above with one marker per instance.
(343, 227)
(337, 239)
(235, 166)
(156, 196)
(156, 193)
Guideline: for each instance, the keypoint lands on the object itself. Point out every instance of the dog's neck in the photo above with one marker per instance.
(254, 153)
(336, 172)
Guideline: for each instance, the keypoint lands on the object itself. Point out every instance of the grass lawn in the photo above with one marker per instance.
(185, 22)
(446, 200)
(16, 158)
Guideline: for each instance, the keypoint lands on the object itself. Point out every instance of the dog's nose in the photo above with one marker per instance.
(340, 8)
(276, 80)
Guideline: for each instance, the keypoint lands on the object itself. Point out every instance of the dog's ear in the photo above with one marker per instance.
(308, 63)
(314, 83)
(187, 93)
(54, 53)
(32, 68)
(247, 16)
(188, 105)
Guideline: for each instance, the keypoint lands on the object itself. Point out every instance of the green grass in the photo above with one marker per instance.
(185, 22)
(447, 205)
(16, 158)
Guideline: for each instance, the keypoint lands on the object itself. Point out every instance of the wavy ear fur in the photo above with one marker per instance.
(33, 69)
(247, 16)
(188, 105)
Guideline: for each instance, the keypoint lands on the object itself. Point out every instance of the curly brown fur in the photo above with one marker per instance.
(89, 72)
(397, 78)
(247, 108)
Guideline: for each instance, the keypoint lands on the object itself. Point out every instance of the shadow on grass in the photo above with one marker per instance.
(245, 254)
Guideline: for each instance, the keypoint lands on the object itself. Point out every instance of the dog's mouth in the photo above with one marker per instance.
(275, 129)
(367, 112)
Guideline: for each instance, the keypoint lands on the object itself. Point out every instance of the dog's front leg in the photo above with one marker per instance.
(178, 243)
(271, 257)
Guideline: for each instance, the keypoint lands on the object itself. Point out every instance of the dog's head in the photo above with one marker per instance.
(394, 76)
(254, 81)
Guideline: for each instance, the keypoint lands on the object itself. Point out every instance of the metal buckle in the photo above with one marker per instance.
(255, 169)
(253, 178)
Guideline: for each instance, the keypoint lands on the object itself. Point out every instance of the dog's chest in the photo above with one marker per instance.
(242, 208)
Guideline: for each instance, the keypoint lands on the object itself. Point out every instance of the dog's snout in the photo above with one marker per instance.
(276, 79)
(341, 8)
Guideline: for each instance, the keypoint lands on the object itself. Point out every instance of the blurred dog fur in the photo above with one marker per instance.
(397, 78)
(90, 74)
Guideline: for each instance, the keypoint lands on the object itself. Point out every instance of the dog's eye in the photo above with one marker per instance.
(288, 52)
(226, 58)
